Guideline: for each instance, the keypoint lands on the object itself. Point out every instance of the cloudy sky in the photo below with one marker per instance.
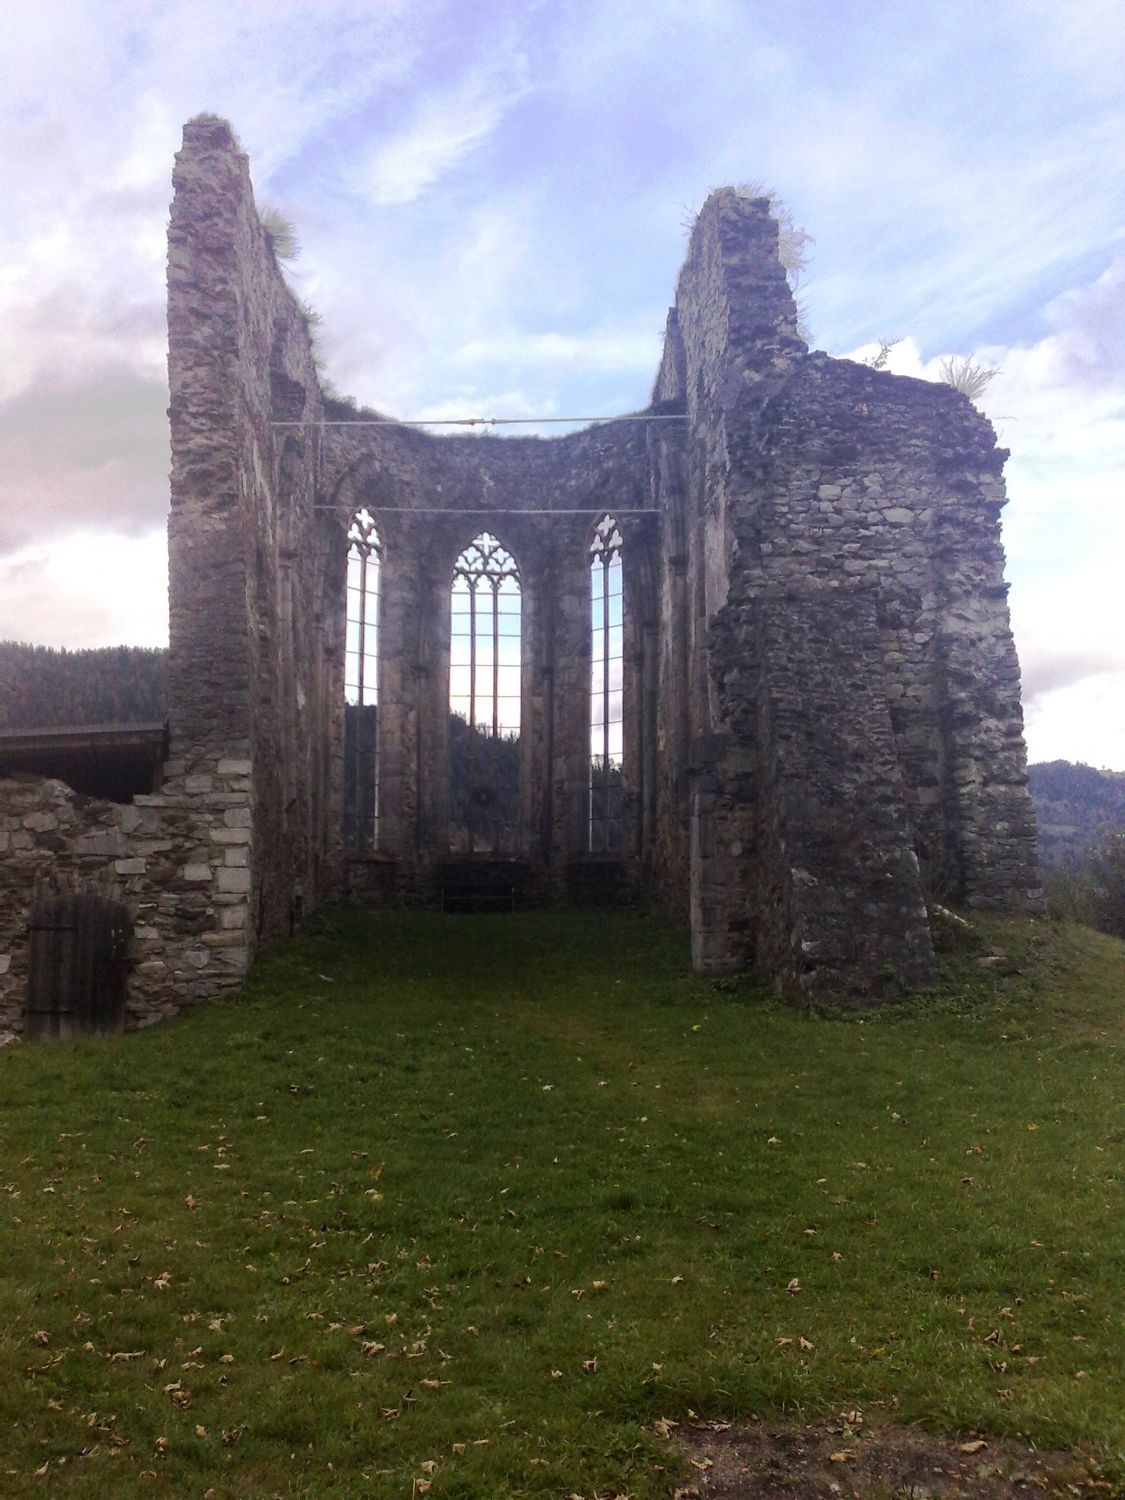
(491, 197)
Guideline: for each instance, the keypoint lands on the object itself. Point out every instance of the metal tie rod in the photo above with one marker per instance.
(491, 510)
(487, 421)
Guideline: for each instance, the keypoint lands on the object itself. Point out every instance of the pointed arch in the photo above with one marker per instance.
(485, 698)
(361, 684)
(607, 682)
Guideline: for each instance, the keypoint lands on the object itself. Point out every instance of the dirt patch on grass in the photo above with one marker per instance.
(847, 1459)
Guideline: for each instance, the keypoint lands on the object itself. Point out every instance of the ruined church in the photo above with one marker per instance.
(743, 657)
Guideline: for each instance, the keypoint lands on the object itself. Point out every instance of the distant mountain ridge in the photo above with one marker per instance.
(46, 687)
(1076, 807)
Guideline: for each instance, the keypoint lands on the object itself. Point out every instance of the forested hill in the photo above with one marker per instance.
(1076, 806)
(41, 686)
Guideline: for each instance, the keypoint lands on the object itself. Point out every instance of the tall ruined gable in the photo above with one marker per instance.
(853, 673)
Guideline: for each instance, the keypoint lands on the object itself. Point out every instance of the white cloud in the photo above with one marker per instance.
(1084, 722)
(606, 348)
(94, 97)
(442, 132)
(398, 357)
(91, 452)
(87, 589)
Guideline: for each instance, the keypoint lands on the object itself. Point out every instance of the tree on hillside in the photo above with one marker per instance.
(1107, 882)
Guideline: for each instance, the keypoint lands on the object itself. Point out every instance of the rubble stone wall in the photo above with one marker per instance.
(897, 483)
(181, 874)
(429, 497)
(813, 484)
(821, 694)
(829, 863)
(250, 558)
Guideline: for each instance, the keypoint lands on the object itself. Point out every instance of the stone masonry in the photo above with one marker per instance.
(822, 723)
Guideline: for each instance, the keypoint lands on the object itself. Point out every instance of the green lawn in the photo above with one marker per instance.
(474, 1201)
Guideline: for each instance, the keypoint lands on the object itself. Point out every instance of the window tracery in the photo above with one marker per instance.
(607, 726)
(361, 684)
(485, 684)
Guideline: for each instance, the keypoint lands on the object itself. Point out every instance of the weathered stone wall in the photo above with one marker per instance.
(821, 695)
(807, 478)
(250, 557)
(179, 874)
(896, 482)
(541, 499)
(828, 859)
(732, 342)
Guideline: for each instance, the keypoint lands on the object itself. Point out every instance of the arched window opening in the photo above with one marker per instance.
(607, 736)
(484, 700)
(361, 686)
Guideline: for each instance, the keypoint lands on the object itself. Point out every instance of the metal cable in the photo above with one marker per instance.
(487, 421)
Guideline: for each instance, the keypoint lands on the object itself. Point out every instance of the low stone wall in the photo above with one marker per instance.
(179, 860)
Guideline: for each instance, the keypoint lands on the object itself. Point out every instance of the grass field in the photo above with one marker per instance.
(472, 1202)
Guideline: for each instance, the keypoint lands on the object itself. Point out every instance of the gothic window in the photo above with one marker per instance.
(607, 633)
(484, 700)
(361, 685)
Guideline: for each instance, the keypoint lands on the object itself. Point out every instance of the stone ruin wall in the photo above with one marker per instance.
(237, 838)
(248, 554)
(179, 871)
(822, 695)
(489, 484)
(852, 679)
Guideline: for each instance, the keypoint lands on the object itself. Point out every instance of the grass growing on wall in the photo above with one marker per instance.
(472, 1202)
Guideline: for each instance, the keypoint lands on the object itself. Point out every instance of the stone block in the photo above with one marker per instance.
(235, 881)
(197, 874)
(130, 866)
(41, 822)
(235, 767)
(111, 845)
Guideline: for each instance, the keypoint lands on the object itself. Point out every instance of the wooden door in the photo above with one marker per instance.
(79, 966)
